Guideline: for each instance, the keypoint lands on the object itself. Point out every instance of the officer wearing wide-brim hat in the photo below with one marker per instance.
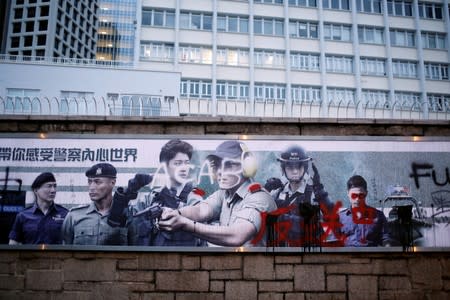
(237, 206)
(87, 224)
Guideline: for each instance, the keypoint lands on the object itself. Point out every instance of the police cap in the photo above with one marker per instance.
(228, 149)
(102, 170)
(41, 179)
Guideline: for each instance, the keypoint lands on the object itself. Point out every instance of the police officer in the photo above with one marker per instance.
(177, 191)
(40, 223)
(302, 194)
(87, 224)
(237, 205)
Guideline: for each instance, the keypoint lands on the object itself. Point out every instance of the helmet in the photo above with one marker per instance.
(294, 154)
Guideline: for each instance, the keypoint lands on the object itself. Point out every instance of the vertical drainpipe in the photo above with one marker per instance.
(251, 111)
(213, 109)
(357, 64)
(287, 62)
(389, 72)
(446, 12)
(421, 69)
(323, 75)
(176, 42)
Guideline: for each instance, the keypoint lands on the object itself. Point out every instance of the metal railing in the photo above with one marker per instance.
(100, 106)
(67, 61)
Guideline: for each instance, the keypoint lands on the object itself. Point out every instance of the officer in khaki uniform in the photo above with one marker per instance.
(237, 207)
(88, 224)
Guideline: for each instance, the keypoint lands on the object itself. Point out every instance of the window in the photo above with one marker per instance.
(374, 98)
(192, 54)
(305, 61)
(306, 94)
(43, 25)
(41, 39)
(301, 29)
(18, 13)
(437, 103)
(195, 88)
(372, 35)
(31, 12)
(16, 27)
(369, 6)
(430, 10)
(164, 18)
(341, 64)
(406, 69)
(199, 21)
(402, 38)
(232, 90)
(29, 26)
(269, 59)
(28, 41)
(232, 24)
(433, 40)
(341, 97)
(399, 8)
(337, 32)
(372, 66)
(436, 71)
(303, 3)
(157, 51)
(269, 1)
(270, 92)
(336, 4)
(15, 42)
(44, 11)
(232, 57)
(407, 101)
(268, 26)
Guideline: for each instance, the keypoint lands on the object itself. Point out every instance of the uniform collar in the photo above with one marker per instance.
(241, 192)
(301, 188)
(36, 208)
(92, 208)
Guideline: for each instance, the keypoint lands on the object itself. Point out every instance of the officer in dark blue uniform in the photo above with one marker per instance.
(303, 195)
(40, 223)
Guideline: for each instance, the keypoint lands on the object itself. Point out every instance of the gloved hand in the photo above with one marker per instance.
(273, 184)
(139, 181)
(316, 177)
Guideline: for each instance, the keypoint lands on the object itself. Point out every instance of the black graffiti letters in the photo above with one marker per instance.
(423, 170)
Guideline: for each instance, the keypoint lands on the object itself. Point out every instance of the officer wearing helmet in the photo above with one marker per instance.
(302, 194)
(237, 205)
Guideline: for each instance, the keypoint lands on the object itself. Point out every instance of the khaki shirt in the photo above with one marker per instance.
(244, 204)
(85, 225)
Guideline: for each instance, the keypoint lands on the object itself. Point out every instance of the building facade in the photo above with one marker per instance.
(52, 28)
(117, 31)
(299, 58)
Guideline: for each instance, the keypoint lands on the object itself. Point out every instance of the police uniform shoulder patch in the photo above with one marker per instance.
(254, 187)
(79, 207)
(198, 191)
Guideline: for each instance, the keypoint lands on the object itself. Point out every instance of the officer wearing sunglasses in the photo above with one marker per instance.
(362, 225)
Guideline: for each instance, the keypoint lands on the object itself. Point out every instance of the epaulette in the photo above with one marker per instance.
(79, 207)
(199, 192)
(254, 187)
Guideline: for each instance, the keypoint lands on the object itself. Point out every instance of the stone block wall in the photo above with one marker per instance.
(263, 276)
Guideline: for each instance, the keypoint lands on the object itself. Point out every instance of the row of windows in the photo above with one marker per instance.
(298, 61)
(395, 7)
(297, 29)
(309, 94)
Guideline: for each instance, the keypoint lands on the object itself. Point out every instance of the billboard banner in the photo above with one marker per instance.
(224, 191)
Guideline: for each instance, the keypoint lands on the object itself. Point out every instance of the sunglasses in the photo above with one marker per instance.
(355, 196)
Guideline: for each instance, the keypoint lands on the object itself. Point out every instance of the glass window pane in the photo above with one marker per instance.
(232, 24)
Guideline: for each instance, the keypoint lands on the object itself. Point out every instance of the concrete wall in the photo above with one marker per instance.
(154, 275)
